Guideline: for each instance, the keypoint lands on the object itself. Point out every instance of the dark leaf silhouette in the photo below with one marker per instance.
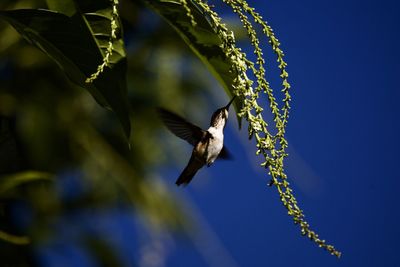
(76, 44)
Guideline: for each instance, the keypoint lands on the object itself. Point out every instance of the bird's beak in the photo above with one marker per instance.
(230, 102)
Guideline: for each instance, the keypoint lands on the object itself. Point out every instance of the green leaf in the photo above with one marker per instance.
(14, 239)
(98, 15)
(202, 39)
(10, 182)
(76, 44)
(66, 7)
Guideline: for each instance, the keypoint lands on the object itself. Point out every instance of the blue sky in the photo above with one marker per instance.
(343, 132)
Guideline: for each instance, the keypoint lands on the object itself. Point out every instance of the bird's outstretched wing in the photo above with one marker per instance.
(181, 127)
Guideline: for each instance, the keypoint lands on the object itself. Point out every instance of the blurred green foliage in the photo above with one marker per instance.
(50, 125)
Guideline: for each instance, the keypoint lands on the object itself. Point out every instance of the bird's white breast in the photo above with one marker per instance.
(215, 145)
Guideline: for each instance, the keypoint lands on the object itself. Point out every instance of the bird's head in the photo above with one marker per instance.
(220, 116)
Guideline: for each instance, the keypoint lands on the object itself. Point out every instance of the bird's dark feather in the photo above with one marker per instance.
(190, 170)
(225, 154)
(181, 127)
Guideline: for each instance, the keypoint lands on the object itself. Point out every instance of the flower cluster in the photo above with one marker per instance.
(188, 12)
(110, 47)
(271, 146)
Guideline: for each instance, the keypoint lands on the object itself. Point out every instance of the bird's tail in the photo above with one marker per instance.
(185, 178)
(188, 173)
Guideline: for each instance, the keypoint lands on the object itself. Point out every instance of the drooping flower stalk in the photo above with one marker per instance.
(110, 47)
(271, 146)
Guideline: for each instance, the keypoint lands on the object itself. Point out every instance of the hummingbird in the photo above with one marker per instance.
(208, 145)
